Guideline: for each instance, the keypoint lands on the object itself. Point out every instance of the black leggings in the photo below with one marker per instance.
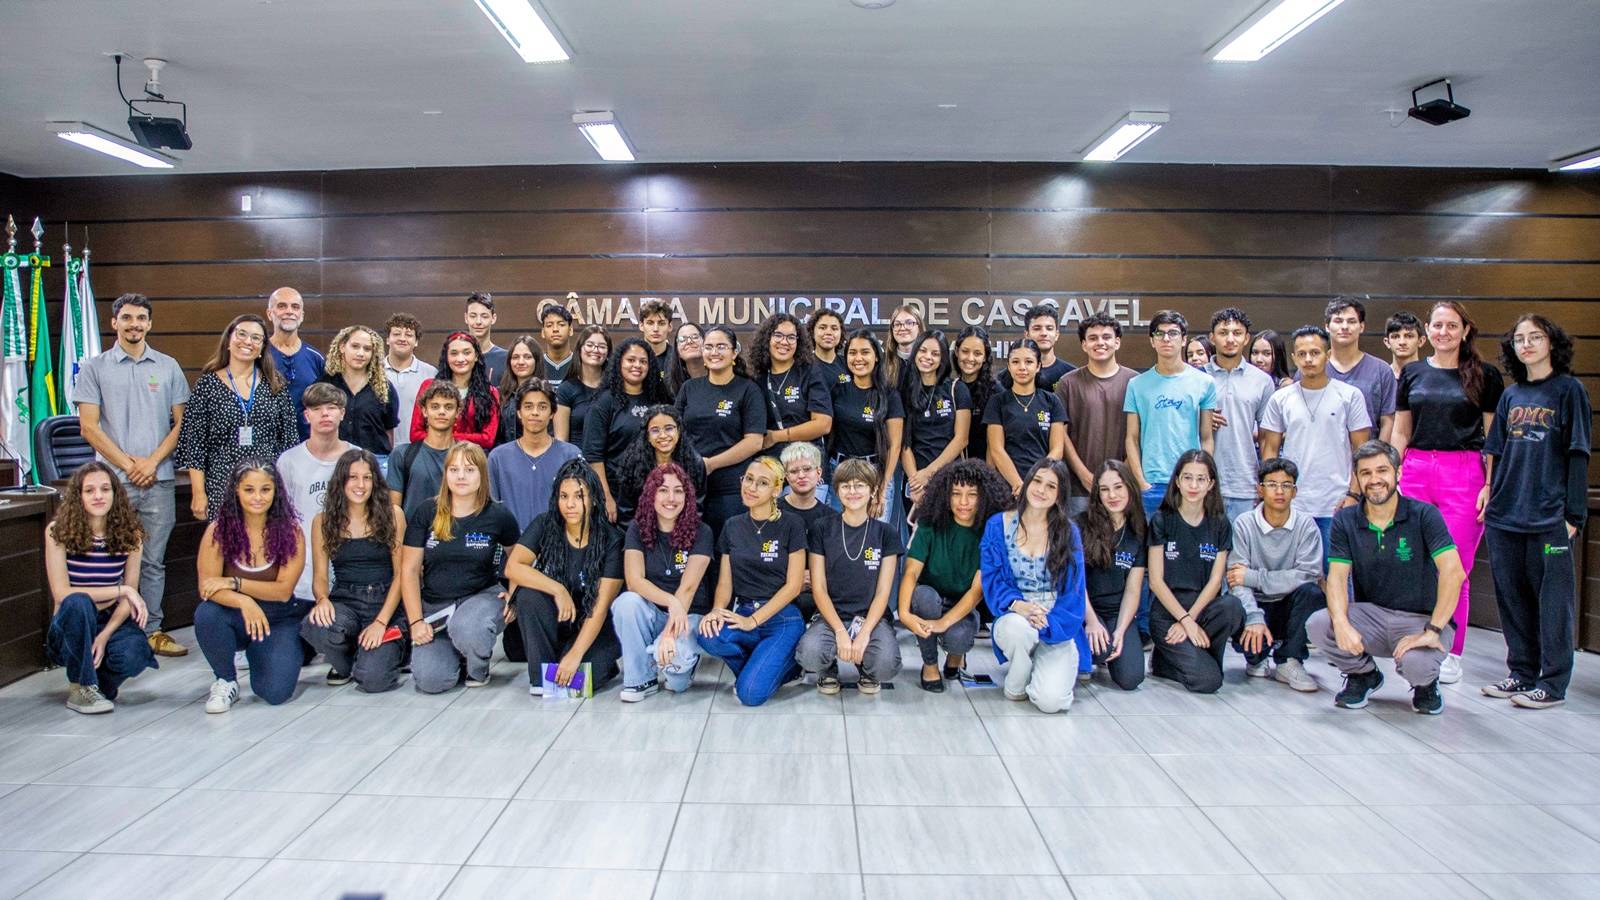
(1198, 669)
(547, 639)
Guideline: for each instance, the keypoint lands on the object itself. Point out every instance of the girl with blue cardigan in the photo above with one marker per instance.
(1033, 581)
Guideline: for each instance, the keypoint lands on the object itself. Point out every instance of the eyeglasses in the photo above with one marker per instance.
(906, 323)
(718, 348)
(779, 337)
(1167, 334)
(805, 469)
(1195, 480)
(248, 337)
(688, 339)
(1529, 340)
(1277, 485)
(663, 430)
(598, 348)
(756, 481)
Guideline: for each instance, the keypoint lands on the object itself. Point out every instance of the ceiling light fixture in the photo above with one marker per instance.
(527, 28)
(101, 141)
(1578, 162)
(1269, 28)
(605, 135)
(1134, 129)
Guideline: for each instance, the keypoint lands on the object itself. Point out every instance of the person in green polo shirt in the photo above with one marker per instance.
(1407, 578)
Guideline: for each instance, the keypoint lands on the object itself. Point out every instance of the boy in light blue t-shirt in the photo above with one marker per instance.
(1169, 409)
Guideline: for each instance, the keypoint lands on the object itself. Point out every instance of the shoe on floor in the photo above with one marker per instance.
(1538, 698)
(1357, 688)
(87, 699)
(636, 692)
(477, 682)
(223, 695)
(1261, 669)
(933, 685)
(1450, 669)
(241, 661)
(1015, 698)
(162, 644)
(535, 690)
(1427, 700)
(1293, 673)
(337, 678)
(868, 686)
(828, 685)
(1506, 687)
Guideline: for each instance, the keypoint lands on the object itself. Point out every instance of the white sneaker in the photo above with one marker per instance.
(1450, 669)
(535, 690)
(241, 662)
(1261, 669)
(1292, 673)
(223, 695)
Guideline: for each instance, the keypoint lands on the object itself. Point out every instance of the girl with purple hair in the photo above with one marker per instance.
(249, 561)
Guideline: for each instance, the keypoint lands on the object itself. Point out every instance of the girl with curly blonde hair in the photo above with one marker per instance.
(372, 405)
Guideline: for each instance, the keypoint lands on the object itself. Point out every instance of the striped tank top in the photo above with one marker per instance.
(96, 568)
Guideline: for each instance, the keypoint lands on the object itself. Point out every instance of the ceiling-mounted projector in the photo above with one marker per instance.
(149, 129)
(1440, 110)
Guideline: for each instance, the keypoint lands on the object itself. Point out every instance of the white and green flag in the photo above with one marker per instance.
(80, 329)
(16, 440)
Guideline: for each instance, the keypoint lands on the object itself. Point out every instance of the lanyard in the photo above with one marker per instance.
(244, 405)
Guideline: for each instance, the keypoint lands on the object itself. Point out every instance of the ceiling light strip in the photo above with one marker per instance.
(527, 28)
(603, 133)
(1269, 28)
(1132, 130)
(101, 141)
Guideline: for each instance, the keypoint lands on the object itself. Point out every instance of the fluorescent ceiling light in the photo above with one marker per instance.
(1269, 28)
(1127, 134)
(1578, 162)
(102, 141)
(603, 133)
(527, 28)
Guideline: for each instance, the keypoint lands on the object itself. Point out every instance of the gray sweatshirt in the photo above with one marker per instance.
(1276, 560)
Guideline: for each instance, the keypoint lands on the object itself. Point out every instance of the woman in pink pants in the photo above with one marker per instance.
(1443, 407)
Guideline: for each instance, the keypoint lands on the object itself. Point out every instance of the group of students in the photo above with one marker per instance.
(633, 508)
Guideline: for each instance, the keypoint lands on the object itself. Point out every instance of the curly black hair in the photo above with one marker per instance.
(639, 458)
(994, 494)
(653, 390)
(761, 345)
(1561, 348)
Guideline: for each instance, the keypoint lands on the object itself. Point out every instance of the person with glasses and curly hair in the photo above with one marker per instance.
(632, 388)
(799, 403)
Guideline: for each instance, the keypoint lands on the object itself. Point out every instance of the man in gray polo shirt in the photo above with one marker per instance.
(130, 404)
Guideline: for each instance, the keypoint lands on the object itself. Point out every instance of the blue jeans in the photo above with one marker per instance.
(71, 645)
(762, 659)
(1325, 525)
(1152, 502)
(275, 660)
(1235, 507)
(638, 624)
(157, 511)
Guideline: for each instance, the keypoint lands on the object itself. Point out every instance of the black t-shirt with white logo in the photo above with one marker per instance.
(614, 423)
(1026, 422)
(853, 556)
(930, 429)
(719, 416)
(1105, 585)
(467, 563)
(760, 559)
(664, 565)
(1188, 551)
(794, 396)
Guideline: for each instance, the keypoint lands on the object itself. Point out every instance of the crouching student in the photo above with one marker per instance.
(359, 533)
(1032, 565)
(852, 560)
(940, 586)
(753, 625)
(565, 571)
(1274, 570)
(449, 576)
(92, 555)
(665, 557)
(1113, 529)
(1193, 617)
(250, 558)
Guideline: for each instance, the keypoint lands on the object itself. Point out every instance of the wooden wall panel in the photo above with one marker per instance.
(796, 232)
(483, 234)
(509, 188)
(1055, 186)
(1161, 233)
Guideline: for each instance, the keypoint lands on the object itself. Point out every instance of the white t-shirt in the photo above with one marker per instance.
(306, 479)
(1316, 426)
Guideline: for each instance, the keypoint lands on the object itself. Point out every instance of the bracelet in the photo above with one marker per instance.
(1430, 627)
(236, 584)
(1186, 616)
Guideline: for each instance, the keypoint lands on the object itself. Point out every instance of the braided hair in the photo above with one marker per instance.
(577, 568)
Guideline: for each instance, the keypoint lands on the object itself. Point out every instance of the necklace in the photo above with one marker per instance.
(843, 527)
(1026, 407)
(763, 522)
(1312, 410)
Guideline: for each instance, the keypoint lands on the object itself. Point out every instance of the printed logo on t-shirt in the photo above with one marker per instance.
(1529, 423)
(680, 561)
(1124, 559)
(791, 394)
(1402, 550)
(154, 384)
(872, 558)
(638, 410)
(1208, 552)
(843, 377)
(769, 551)
(1043, 416)
(942, 407)
(1172, 550)
(1173, 403)
(867, 414)
(477, 540)
(724, 408)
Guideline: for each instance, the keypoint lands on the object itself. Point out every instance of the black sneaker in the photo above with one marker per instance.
(1538, 698)
(1357, 688)
(1507, 687)
(337, 678)
(1426, 700)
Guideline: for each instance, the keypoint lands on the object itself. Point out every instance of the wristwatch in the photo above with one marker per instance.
(1432, 628)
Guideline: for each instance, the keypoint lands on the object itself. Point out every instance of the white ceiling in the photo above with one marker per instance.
(327, 84)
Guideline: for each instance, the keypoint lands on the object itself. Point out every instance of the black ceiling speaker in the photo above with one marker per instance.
(1440, 110)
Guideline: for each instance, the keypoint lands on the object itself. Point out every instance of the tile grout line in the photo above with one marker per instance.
(1045, 841)
(661, 868)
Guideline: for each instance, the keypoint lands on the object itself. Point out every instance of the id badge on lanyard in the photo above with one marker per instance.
(247, 432)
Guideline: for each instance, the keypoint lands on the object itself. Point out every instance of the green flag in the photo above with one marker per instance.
(16, 438)
(42, 384)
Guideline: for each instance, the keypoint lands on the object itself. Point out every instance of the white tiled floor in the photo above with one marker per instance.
(1255, 792)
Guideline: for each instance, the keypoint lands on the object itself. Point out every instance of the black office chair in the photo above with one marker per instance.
(61, 448)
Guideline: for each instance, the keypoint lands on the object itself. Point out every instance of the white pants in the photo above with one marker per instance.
(1046, 673)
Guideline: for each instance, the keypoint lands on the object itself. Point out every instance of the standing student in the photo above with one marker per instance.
(1242, 394)
(1093, 395)
(975, 368)
(655, 326)
(357, 535)
(905, 323)
(404, 369)
(240, 412)
(583, 384)
(1538, 456)
(727, 420)
(1405, 337)
(617, 417)
(130, 403)
(663, 440)
(249, 561)
(938, 410)
(666, 553)
(1198, 351)
(1041, 324)
(564, 571)
(522, 365)
(1394, 578)
(92, 556)
(1268, 354)
(307, 467)
(555, 331)
(753, 625)
(1443, 407)
(799, 402)
(827, 334)
(480, 319)
(1032, 565)
(1025, 424)
(1115, 555)
(479, 418)
(852, 560)
(1274, 570)
(940, 586)
(687, 361)
(372, 404)
(522, 474)
(416, 470)
(1169, 410)
(297, 363)
(450, 570)
(1316, 422)
(1346, 320)
(1195, 615)
(869, 422)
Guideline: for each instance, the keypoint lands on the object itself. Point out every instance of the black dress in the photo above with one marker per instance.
(209, 439)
